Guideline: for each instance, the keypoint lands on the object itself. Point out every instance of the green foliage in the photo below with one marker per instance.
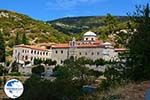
(2, 48)
(17, 40)
(76, 68)
(139, 55)
(46, 90)
(134, 63)
(99, 62)
(15, 74)
(19, 24)
(47, 61)
(37, 61)
(77, 25)
(24, 39)
(1, 70)
(50, 62)
(1, 82)
(111, 22)
(70, 78)
(103, 36)
(38, 70)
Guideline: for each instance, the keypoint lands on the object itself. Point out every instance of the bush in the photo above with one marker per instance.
(38, 70)
(1, 70)
(15, 74)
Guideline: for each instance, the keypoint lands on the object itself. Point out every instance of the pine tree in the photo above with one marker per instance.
(2, 48)
(139, 46)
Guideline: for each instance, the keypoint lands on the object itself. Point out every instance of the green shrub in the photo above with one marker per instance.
(15, 74)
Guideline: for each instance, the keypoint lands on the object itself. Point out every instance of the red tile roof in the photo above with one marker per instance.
(32, 47)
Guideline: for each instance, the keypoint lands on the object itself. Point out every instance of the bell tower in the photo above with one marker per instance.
(72, 48)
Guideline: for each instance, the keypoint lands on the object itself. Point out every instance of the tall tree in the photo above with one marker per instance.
(17, 41)
(2, 48)
(139, 46)
(24, 39)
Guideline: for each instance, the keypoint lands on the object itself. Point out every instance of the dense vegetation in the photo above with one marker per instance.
(106, 27)
(16, 26)
(134, 64)
(70, 79)
(21, 29)
(71, 25)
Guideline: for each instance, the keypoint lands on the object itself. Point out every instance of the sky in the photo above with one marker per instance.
(53, 9)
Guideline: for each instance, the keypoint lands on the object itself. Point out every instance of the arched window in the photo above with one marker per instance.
(92, 53)
(34, 52)
(80, 53)
(97, 53)
(86, 53)
(31, 51)
(26, 58)
(31, 58)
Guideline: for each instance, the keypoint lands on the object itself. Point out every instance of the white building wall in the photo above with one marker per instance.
(89, 38)
(59, 55)
(91, 53)
(28, 54)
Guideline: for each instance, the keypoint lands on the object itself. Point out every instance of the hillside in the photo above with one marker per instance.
(71, 25)
(36, 31)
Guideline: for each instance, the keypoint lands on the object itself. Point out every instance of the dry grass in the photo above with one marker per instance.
(131, 91)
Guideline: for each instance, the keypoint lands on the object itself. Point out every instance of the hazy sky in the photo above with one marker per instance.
(52, 9)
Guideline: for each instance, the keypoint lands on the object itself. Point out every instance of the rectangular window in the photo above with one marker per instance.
(40, 53)
(56, 51)
(34, 52)
(61, 62)
(31, 51)
(61, 51)
(31, 58)
(26, 57)
(80, 53)
(97, 53)
(92, 53)
(86, 53)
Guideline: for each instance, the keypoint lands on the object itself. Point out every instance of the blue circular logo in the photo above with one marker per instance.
(13, 88)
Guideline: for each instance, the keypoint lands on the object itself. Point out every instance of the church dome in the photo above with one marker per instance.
(89, 33)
